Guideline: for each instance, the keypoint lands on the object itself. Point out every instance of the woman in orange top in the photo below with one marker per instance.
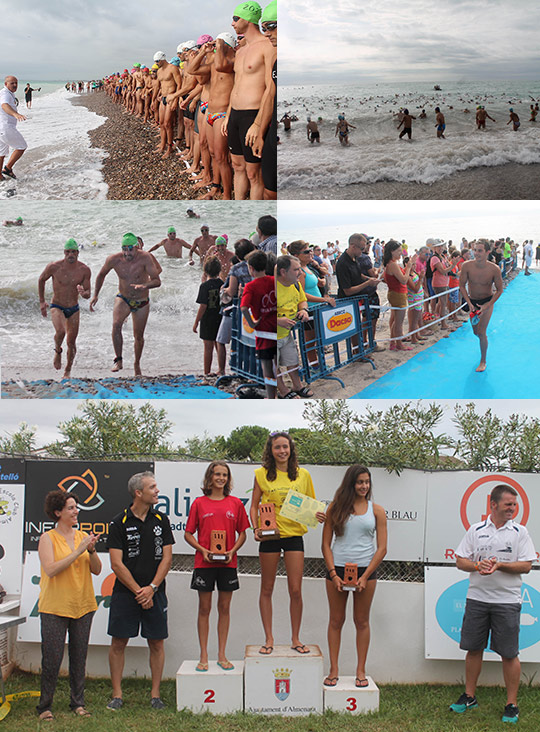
(396, 278)
(66, 602)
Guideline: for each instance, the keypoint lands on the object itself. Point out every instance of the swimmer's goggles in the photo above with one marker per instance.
(269, 25)
(129, 247)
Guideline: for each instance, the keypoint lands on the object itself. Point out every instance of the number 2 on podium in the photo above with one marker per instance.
(209, 699)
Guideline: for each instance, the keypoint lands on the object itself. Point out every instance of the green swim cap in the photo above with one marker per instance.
(71, 244)
(136, 66)
(221, 240)
(171, 230)
(249, 11)
(129, 240)
(19, 218)
(270, 13)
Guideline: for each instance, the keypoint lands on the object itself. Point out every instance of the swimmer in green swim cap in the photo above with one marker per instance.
(247, 124)
(249, 11)
(172, 244)
(137, 272)
(70, 280)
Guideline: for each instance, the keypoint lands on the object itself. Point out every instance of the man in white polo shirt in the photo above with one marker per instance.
(9, 135)
(496, 552)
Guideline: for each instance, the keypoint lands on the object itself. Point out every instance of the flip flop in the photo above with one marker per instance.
(9, 171)
(46, 716)
(82, 712)
(331, 680)
(304, 392)
(361, 683)
(225, 665)
(266, 650)
(301, 648)
(201, 667)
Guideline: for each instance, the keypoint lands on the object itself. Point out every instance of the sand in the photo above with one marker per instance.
(133, 170)
(511, 181)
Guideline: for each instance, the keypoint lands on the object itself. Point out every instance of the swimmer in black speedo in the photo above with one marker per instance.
(70, 279)
(480, 284)
(137, 274)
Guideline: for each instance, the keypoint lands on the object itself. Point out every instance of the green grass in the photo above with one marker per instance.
(420, 708)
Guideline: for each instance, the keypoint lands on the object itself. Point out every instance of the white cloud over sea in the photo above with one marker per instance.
(78, 39)
(409, 40)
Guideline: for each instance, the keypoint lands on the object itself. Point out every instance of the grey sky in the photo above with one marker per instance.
(217, 417)
(77, 39)
(409, 40)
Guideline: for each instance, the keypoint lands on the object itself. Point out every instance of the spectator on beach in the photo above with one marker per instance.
(396, 278)
(10, 137)
(208, 314)
(28, 95)
(291, 307)
(415, 295)
(258, 307)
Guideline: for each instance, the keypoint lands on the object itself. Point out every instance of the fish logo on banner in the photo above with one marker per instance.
(86, 488)
(282, 687)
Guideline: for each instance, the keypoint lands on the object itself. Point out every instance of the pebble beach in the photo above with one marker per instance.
(132, 169)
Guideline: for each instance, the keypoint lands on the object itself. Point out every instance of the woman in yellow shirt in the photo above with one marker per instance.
(279, 473)
(66, 602)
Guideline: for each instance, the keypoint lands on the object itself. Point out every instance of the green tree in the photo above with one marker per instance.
(115, 430)
(246, 443)
(205, 448)
(21, 442)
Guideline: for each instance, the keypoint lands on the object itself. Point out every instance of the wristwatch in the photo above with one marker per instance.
(154, 587)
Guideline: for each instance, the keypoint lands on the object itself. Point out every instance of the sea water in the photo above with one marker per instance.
(376, 154)
(26, 338)
(59, 162)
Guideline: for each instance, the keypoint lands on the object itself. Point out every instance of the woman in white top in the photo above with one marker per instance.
(357, 527)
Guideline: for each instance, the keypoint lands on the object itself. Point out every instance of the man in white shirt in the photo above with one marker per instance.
(496, 552)
(9, 135)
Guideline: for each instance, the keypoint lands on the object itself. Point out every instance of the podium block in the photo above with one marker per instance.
(284, 682)
(216, 691)
(346, 697)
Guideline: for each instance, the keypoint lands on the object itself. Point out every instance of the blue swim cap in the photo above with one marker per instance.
(175, 61)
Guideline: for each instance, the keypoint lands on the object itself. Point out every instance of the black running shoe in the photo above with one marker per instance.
(510, 714)
(463, 703)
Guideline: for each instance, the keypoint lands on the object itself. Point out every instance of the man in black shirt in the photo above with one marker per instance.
(356, 276)
(140, 546)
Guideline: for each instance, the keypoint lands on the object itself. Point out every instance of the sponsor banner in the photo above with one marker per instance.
(458, 500)
(339, 323)
(12, 470)
(247, 333)
(103, 585)
(445, 595)
(403, 498)
(101, 488)
(11, 535)
(284, 685)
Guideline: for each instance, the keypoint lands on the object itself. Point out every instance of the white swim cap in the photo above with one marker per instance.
(160, 56)
(188, 45)
(180, 47)
(227, 38)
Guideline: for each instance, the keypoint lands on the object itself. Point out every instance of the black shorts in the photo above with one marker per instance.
(240, 120)
(266, 354)
(287, 544)
(196, 116)
(314, 136)
(500, 618)
(204, 579)
(187, 113)
(340, 571)
(477, 303)
(269, 159)
(126, 615)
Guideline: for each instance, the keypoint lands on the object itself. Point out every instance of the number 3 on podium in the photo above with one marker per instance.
(351, 706)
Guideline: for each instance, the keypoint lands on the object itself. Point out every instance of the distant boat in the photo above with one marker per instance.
(437, 87)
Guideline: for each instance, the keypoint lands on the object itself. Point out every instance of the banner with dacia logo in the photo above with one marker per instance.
(339, 323)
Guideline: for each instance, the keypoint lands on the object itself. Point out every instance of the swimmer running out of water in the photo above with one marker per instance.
(312, 131)
(476, 282)
(514, 119)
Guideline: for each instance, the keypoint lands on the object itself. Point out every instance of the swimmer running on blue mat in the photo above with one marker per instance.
(476, 282)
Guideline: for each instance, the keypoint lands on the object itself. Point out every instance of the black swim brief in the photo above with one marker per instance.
(68, 312)
(164, 101)
(134, 305)
(240, 120)
(187, 113)
(477, 303)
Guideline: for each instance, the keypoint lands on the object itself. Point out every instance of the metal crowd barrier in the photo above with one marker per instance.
(242, 356)
(335, 337)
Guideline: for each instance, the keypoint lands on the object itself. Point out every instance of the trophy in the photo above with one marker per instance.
(218, 552)
(350, 576)
(267, 513)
